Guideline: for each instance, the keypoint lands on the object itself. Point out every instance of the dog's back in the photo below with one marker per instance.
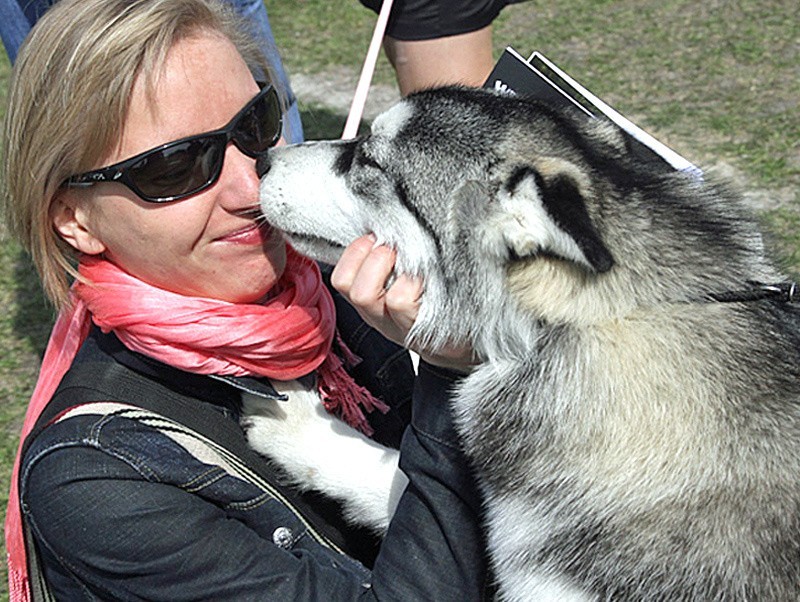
(655, 460)
(647, 445)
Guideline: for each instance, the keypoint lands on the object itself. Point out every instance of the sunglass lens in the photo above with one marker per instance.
(260, 127)
(178, 170)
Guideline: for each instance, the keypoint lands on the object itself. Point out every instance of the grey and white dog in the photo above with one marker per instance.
(635, 418)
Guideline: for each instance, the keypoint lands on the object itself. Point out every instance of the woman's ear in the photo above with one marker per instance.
(70, 220)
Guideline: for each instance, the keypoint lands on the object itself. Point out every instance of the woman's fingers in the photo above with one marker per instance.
(368, 285)
(402, 301)
(361, 275)
(348, 266)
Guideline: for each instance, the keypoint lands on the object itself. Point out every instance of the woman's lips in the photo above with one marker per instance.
(254, 234)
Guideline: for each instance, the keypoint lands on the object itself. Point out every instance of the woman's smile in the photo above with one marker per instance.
(252, 234)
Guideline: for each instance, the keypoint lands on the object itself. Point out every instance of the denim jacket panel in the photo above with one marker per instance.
(68, 471)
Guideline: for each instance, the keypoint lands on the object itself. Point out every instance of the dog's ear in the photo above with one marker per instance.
(543, 211)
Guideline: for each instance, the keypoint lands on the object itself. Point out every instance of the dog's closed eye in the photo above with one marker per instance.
(345, 158)
(363, 160)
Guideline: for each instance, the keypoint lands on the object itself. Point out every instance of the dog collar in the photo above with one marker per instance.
(787, 292)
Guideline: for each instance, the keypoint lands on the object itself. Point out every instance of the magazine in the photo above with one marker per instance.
(538, 77)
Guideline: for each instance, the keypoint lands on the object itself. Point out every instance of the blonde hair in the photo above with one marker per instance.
(69, 96)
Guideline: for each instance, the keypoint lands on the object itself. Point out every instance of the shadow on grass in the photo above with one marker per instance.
(33, 315)
(321, 123)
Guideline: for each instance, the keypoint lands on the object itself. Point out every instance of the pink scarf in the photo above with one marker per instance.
(287, 337)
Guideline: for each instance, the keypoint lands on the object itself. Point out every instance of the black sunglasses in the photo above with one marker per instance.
(179, 169)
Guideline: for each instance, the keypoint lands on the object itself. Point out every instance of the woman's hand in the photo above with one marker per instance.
(361, 275)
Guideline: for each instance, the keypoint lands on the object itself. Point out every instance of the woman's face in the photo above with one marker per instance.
(207, 245)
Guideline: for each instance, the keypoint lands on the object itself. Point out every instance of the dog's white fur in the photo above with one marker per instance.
(318, 451)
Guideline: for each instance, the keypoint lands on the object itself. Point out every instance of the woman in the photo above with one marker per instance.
(132, 136)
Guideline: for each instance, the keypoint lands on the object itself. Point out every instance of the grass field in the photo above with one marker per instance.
(718, 81)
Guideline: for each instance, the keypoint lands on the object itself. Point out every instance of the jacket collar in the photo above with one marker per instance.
(221, 390)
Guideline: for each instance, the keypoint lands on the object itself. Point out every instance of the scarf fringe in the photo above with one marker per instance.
(342, 396)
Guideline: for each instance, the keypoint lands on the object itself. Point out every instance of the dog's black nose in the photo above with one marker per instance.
(262, 165)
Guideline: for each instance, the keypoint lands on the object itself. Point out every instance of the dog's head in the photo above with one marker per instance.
(501, 204)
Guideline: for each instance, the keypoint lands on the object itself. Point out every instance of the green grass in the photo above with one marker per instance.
(24, 327)
(314, 35)
(783, 229)
(716, 80)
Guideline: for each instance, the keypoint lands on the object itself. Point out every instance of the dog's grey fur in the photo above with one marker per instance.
(633, 439)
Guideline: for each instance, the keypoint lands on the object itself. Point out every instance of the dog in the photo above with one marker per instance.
(634, 420)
